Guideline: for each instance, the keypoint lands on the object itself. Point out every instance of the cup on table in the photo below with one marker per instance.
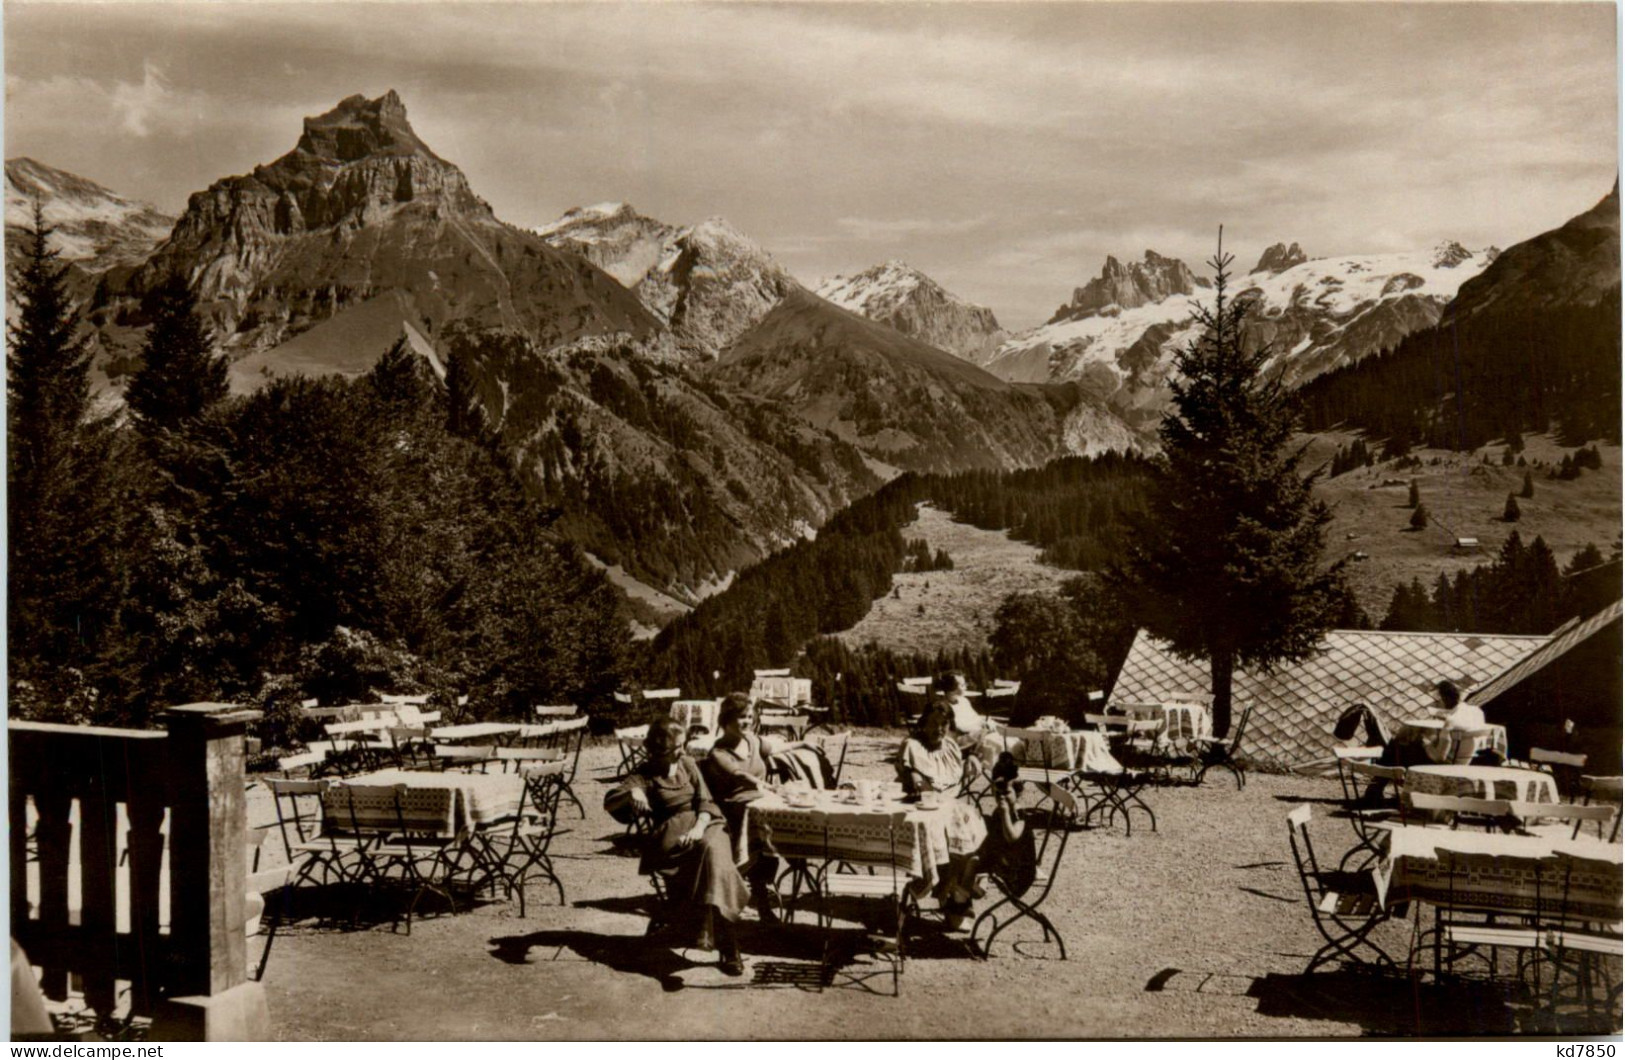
(867, 791)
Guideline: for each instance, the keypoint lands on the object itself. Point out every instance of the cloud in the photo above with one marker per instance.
(137, 105)
(877, 230)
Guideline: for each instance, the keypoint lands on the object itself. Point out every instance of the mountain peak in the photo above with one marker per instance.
(1280, 257)
(1138, 283)
(359, 127)
(899, 295)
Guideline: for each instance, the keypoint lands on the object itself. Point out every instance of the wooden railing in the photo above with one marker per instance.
(84, 797)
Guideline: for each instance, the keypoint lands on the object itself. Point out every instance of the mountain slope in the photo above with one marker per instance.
(905, 298)
(362, 206)
(678, 482)
(904, 402)
(708, 282)
(1576, 264)
(96, 229)
(1532, 344)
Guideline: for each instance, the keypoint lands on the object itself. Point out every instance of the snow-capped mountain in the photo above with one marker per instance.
(1316, 315)
(1154, 279)
(96, 229)
(708, 282)
(905, 298)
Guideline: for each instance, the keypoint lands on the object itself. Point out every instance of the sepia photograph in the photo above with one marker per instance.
(813, 521)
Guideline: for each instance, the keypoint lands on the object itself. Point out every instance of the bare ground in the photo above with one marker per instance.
(1199, 929)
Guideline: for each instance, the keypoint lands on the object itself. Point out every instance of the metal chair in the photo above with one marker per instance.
(1564, 768)
(513, 852)
(883, 887)
(1054, 816)
(410, 831)
(1220, 754)
(1358, 773)
(1456, 810)
(1604, 788)
(1344, 919)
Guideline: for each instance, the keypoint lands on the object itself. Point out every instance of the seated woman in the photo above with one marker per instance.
(688, 847)
(737, 773)
(929, 761)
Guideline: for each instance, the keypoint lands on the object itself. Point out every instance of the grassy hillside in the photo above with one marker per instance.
(1465, 497)
(949, 610)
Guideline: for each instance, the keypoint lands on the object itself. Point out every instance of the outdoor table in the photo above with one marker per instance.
(1499, 873)
(476, 731)
(482, 798)
(1483, 782)
(798, 831)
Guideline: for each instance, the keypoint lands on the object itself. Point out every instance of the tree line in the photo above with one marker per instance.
(1461, 385)
(320, 537)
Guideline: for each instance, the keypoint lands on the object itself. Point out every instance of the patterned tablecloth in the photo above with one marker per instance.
(1501, 873)
(1483, 782)
(479, 799)
(855, 833)
(1061, 751)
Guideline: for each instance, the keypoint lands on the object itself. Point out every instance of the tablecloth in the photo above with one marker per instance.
(480, 799)
(1062, 751)
(857, 833)
(1483, 782)
(1501, 873)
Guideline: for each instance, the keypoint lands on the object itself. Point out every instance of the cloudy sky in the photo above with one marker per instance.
(1004, 148)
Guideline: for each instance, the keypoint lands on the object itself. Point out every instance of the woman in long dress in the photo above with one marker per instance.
(737, 773)
(687, 845)
(930, 761)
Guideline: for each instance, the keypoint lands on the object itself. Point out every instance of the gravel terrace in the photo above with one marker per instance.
(1197, 930)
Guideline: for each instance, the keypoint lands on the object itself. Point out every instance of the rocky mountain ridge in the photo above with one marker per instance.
(901, 296)
(361, 207)
(1152, 279)
(708, 282)
(96, 229)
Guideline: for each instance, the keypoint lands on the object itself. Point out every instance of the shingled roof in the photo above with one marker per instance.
(1565, 639)
(1295, 707)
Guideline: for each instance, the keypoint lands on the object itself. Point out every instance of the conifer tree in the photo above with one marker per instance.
(1528, 490)
(1419, 518)
(61, 516)
(1415, 496)
(179, 376)
(1511, 514)
(1230, 569)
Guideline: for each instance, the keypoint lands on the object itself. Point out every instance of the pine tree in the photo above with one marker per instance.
(62, 518)
(1511, 514)
(1415, 496)
(1419, 518)
(180, 376)
(1528, 490)
(1230, 569)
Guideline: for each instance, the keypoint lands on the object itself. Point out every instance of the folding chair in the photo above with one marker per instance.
(463, 759)
(1343, 919)
(411, 830)
(1574, 944)
(1456, 810)
(1466, 744)
(1564, 768)
(1055, 822)
(1118, 794)
(1358, 773)
(1218, 754)
(1607, 788)
(566, 741)
(1461, 931)
(516, 850)
(883, 887)
(836, 758)
(633, 755)
(311, 840)
(556, 713)
(411, 747)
